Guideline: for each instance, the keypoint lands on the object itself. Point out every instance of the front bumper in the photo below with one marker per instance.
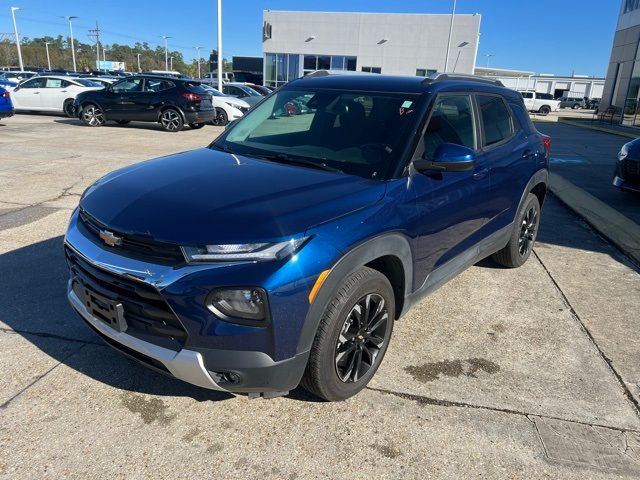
(216, 354)
(627, 175)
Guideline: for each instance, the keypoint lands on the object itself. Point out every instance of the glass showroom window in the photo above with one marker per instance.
(324, 62)
(280, 68)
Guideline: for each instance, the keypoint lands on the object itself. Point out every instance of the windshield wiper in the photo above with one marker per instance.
(223, 147)
(283, 158)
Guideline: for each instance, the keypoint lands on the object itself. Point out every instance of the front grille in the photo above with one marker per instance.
(132, 245)
(146, 312)
(632, 171)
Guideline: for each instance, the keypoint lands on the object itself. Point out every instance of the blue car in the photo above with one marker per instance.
(6, 106)
(283, 253)
(627, 171)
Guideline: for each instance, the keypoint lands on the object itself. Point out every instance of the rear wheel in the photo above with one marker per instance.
(575, 106)
(352, 337)
(196, 126)
(544, 110)
(92, 115)
(67, 108)
(171, 120)
(221, 118)
(524, 235)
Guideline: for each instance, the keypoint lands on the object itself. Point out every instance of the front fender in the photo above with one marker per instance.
(394, 244)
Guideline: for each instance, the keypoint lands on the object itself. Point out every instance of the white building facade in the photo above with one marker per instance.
(297, 43)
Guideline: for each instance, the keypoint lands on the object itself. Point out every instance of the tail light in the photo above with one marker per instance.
(6, 94)
(191, 97)
(547, 143)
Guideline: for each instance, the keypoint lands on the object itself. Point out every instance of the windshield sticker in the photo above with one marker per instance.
(407, 104)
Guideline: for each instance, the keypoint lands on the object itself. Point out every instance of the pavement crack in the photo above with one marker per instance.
(4, 405)
(424, 400)
(49, 335)
(634, 403)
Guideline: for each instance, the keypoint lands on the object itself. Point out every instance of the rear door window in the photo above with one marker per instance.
(451, 121)
(157, 85)
(497, 124)
(127, 86)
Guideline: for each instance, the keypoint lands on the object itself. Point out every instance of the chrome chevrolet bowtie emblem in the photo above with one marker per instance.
(110, 239)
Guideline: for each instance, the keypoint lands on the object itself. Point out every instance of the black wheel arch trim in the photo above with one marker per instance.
(540, 177)
(390, 244)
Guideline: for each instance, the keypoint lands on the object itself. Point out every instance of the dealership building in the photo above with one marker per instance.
(297, 43)
(622, 86)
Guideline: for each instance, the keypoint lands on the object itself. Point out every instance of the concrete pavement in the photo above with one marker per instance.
(527, 373)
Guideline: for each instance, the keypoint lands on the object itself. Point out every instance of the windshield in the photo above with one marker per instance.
(359, 133)
(250, 91)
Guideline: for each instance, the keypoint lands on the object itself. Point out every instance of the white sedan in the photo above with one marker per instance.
(50, 94)
(227, 108)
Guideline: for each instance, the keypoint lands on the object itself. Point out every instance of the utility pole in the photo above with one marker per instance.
(220, 45)
(139, 69)
(96, 33)
(171, 64)
(46, 46)
(453, 14)
(198, 56)
(15, 29)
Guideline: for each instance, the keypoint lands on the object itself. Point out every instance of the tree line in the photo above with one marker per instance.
(34, 55)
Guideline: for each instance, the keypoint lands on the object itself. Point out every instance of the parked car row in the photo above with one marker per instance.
(170, 100)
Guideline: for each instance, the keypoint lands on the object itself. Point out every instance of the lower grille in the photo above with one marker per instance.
(147, 314)
(632, 171)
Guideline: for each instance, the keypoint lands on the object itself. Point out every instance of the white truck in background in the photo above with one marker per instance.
(542, 103)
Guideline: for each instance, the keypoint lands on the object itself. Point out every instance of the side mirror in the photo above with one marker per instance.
(448, 157)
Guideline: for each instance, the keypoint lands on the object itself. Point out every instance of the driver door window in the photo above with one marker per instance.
(451, 122)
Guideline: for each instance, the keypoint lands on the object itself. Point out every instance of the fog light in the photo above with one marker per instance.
(246, 306)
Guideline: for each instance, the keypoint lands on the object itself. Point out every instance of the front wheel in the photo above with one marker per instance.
(525, 231)
(221, 118)
(576, 106)
(92, 115)
(171, 120)
(352, 337)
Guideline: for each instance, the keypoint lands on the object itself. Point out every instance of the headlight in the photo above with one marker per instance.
(246, 306)
(248, 252)
(624, 151)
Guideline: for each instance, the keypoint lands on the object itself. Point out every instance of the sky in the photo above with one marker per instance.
(538, 36)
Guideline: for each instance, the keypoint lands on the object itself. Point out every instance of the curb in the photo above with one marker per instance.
(599, 129)
(611, 224)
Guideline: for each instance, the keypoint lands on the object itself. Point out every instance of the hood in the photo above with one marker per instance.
(207, 196)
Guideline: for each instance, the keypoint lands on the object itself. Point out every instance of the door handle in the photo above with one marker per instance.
(36, 93)
(528, 153)
(480, 173)
(64, 91)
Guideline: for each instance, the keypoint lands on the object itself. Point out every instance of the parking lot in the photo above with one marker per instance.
(525, 373)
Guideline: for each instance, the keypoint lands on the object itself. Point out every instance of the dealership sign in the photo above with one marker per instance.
(109, 65)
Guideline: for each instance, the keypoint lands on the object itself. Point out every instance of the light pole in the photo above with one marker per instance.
(166, 52)
(220, 45)
(73, 51)
(46, 46)
(15, 29)
(460, 47)
(453, 14)
(171, 63)
(198, 57)
(139, 69)
(488, 55)
(104, 58)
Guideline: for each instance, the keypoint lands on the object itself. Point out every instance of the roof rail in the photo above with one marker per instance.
(439, 77)
(326, 73)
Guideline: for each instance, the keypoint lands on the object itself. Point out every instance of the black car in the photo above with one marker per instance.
(172, 102)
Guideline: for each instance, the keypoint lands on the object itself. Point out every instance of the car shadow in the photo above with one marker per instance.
(134, 125)
(33, 304)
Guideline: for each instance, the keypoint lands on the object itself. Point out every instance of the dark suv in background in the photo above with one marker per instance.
(284, 252)
(170, 101)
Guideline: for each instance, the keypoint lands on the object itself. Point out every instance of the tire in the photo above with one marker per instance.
(196, 126)
(123, 122)
(67, 108)
(523, 237)
(221, 118)
(575, 106)
(92, 115)
(332, 378)
(544, 110)
(171, 120)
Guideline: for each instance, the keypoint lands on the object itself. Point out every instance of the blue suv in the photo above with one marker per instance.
(282, 254)
(6, 105)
